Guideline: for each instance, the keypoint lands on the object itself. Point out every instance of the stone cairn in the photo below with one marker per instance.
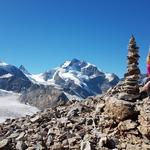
(129, 88)
(133, 72)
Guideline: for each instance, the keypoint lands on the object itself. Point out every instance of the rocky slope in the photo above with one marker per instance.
(98, 123)
(43, 97)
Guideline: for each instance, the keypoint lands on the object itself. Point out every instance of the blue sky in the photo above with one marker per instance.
(42, 34)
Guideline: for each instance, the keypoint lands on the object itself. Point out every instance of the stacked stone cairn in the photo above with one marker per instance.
(129, 88)
(133, 71)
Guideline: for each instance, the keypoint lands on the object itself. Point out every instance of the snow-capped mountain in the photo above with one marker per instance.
(12, 78)
(75, 77)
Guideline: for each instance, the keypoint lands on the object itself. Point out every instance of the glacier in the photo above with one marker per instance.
(10, 107)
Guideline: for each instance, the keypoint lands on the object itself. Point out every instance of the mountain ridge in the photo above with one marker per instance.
(73, 79)
(76, 74)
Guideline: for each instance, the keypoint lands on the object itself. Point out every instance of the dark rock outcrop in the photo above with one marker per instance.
(43, 97)
(12, 79)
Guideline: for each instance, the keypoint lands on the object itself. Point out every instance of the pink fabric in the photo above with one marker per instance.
(148, 69)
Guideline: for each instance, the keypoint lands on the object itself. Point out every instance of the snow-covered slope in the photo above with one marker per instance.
(10, 107)
(75, 77)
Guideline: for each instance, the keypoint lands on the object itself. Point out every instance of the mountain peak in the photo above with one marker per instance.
(2, 63)
(24, 70)
(77, 61)
(74, 63)
(74, 60)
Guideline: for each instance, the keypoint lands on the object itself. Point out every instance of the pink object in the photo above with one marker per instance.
(148, 69)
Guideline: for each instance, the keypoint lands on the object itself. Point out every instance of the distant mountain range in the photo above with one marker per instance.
(73, 79)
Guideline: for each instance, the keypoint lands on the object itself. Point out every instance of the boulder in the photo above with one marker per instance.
(119, 109)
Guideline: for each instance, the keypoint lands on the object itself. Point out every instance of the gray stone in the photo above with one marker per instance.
(35, 119)
(50, 140)
(4, 144)
(21, 145)
(85, 145)
(102, 141)
(20, 137)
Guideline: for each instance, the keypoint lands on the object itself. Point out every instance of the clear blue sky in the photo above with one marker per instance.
(42, 34)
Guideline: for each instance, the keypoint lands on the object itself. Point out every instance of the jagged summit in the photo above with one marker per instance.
(75, 64)
(12, 79)
(2, 63)
(24, 70)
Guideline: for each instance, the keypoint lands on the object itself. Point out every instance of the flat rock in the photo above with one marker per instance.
(35, 119)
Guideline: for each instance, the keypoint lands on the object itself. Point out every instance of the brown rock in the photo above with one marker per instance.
(127, 125)
(119, 109)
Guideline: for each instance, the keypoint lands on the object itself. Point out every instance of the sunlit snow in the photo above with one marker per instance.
(8, 75)
(109, 77)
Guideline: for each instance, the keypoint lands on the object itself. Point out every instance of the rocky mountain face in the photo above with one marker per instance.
(76, 78)
(72, 80)
(80, 78)
(12, 78)
(43, 97)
